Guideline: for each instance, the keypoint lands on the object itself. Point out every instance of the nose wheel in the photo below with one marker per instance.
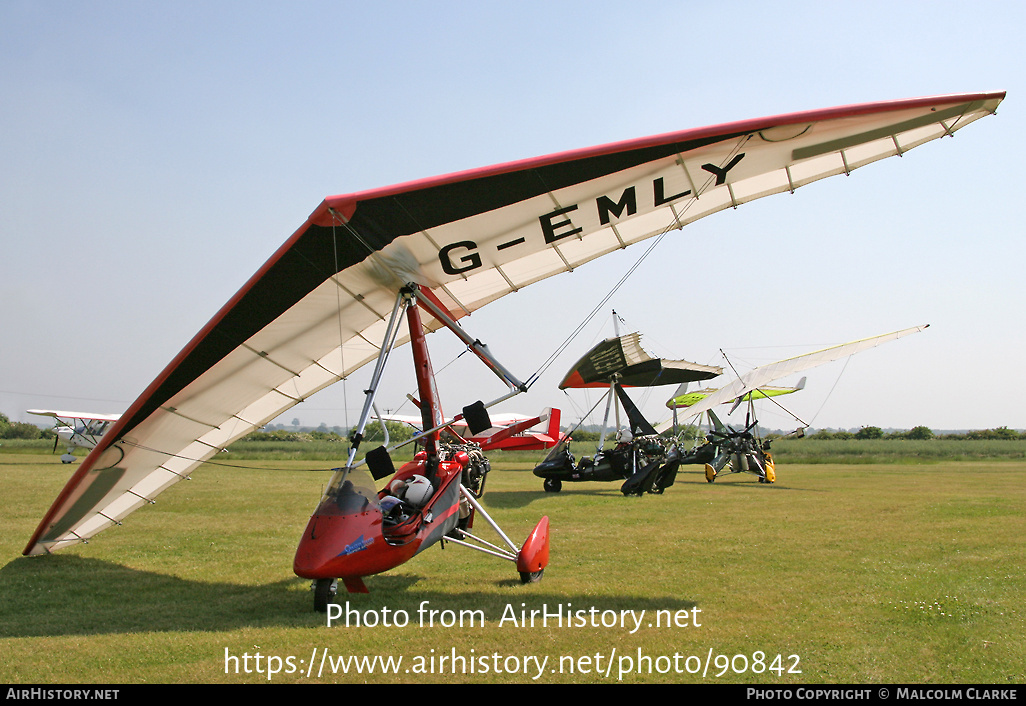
(324, 593)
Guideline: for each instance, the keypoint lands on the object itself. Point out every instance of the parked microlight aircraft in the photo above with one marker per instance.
(318, 309)
(728, 450)
(638, 457)
(78, 430)
(739, 451)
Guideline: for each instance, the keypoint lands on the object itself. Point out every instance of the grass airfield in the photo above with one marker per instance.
(897, 572)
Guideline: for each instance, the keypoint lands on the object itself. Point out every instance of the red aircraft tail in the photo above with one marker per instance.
(553, 431)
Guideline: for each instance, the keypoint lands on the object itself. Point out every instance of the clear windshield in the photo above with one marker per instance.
(560, 449)
(350, 491)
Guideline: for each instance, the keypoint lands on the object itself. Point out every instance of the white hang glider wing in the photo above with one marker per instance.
(760, 377)
(318, 309)
(63, 416)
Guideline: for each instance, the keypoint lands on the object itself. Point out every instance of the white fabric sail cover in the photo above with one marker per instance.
(765, 374)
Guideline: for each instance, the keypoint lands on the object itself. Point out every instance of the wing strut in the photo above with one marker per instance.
(413, 295)
(479, 349)
(402, 301)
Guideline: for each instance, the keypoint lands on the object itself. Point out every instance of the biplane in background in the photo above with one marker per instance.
(78, 430)
(729, 450)
(510, 431)
(318, 309)
(638, 457)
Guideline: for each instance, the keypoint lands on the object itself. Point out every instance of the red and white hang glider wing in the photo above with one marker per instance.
(317, 310)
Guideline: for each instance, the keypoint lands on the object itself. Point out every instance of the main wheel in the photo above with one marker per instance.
(552, 485)
(324, 591)
(531, 576)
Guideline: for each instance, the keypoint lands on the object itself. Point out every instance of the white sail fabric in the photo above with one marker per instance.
(317, 310)
(765, 374)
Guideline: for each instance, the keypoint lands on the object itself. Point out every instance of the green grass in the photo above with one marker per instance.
(868, 572)
(807, 450)
(897, 450)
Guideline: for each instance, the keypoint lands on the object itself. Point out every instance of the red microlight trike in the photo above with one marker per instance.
(358, 530)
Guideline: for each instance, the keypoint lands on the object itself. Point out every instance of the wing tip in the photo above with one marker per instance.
(34, 549)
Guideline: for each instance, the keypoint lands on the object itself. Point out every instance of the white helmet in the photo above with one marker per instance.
(624, 436)
(418, 491)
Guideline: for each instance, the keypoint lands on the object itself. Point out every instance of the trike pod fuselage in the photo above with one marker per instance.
(348, 537)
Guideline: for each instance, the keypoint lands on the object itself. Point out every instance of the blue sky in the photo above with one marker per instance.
(156, 154)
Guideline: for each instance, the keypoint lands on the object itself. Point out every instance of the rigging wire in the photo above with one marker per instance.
(676, 224)
(751, 400)
(601, 305)
(586, 415)
(214, 463)
(831, 391)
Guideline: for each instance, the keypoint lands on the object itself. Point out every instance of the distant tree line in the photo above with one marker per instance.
(868, 432)
(22, 430)
(918, 433)
(290, 435)
(397, 432)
